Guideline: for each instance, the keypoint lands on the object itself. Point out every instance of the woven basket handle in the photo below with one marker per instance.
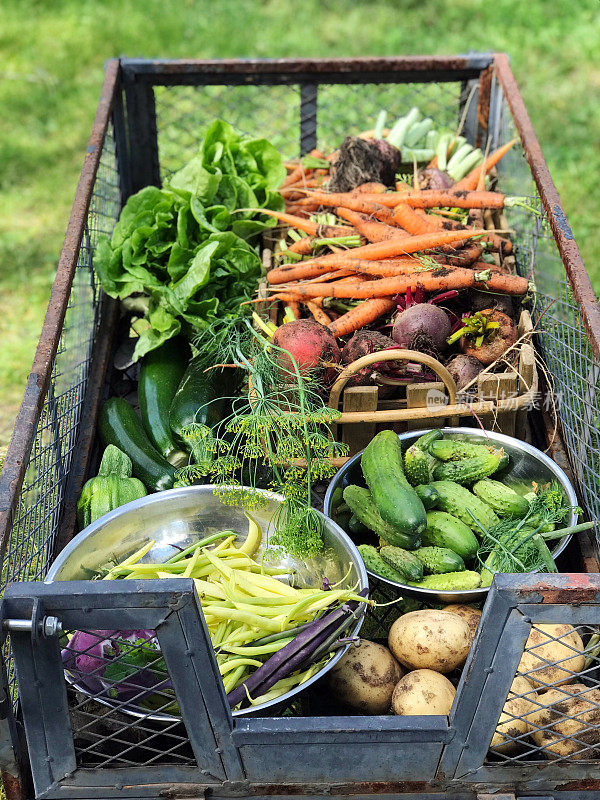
(393, 355)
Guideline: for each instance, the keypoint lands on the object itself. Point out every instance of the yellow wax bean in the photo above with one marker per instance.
(232, 680)
(254, 537)
(192, 564)
(234, 663)
(271, 584)
(300, 606)
(209, 589)
(135, 557)
(264, 649)
(266, 611)
(253, 620)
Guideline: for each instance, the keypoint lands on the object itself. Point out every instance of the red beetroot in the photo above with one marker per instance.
(423, 327)
(464, 369)
(361, 344)
(311, 345)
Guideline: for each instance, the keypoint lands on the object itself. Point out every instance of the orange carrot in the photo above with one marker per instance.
(371, 230)
(433, 162)
(387, 267)
(470, 181)
(431, 198)
(463, 257)
(306, 225)
(306, 244)
(319, 315)
(439, 280)
(294, 307)
(405, 216)
(294, 176)
(376, 251)
(362, 315)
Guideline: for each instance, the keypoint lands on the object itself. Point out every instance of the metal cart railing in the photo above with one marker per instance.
(148, 122)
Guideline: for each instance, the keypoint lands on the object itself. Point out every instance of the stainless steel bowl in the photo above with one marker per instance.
(526, 464)
(183, 516)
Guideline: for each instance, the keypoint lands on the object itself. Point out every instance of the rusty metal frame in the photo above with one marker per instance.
(130, 75)
(15, 464)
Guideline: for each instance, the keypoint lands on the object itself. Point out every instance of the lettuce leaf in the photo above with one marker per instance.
(185, 246)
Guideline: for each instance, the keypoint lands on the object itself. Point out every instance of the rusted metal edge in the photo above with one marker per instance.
(567, 247)
(15, 464)
(285, 70)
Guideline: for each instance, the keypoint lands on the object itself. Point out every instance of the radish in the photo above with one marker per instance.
(422, 326)
(311, 345)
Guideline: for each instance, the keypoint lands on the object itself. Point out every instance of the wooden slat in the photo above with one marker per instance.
(359, 398)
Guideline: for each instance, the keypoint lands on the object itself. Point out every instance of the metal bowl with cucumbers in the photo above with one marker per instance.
(525, 465)
(171, 521)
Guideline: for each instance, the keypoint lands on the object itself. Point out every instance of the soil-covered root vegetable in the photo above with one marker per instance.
(430, 639)
(464, 369)
(365, 677)
(423, 327)
(310, 344)
(496, 343)
(513, 724)
(361, 344)
(423, 692)
(364, 160)
(569, 724)
(554, 655)
(434, 178)
(470, 615)
(480, 300)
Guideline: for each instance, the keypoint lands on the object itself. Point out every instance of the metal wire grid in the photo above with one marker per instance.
(31, 546)
(274, 112)
(552, 711)
(125, 684)
(571, 369)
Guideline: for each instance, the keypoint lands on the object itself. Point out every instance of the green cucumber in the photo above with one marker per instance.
(438, 560)
(453, 450)
(361, 504)
(375, 563)
(460, 502)
(394, 497)
(428, 495)
(468, 469)
(444, 530)
(418, 462)
(201, 396)
(504, 500)
(450, 581)
(406, 563)
(160, 375)
(120, 425)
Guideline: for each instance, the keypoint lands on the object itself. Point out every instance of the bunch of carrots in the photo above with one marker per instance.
(385, 243)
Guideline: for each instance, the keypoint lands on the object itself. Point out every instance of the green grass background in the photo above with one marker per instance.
(51, 68)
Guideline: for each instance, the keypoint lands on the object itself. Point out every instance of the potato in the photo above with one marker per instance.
(470, 615)
(513, 720)
(365, 677)
(571, 711)
(541, 648)
(430, 640)
(423, 692)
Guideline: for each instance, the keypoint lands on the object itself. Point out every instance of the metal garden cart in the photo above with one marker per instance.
(56, 744)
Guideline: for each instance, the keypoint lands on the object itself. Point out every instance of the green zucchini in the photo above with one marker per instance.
(468, 469)
(428, 495)
(375, 563)
(444, 530)
(438, 560)
(504, 500)
(450, 581)
(161, 373)
(364, 509)
(201, 396)
(406, 563)
(395, 499)
(120, 425)
(460, 502)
